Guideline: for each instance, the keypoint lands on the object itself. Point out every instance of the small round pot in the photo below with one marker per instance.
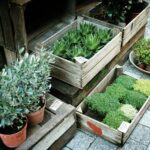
(147, 68)
(37, 116)
(15, 139)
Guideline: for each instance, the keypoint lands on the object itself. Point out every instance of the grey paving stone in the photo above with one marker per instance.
(101, 144)
(81, 141)
(141, 134)
(149, 108)
(146, 119)
(133, 145)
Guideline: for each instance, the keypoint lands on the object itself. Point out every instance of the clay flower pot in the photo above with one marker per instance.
(15, 139)
(37, 116)
(147, 68)
(141, 65)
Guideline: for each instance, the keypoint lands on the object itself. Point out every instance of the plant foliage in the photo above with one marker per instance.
(85, 42)
(114, 119)
(126, 81)
(143, 86)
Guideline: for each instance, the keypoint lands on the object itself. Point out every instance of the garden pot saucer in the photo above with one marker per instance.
(133, 62)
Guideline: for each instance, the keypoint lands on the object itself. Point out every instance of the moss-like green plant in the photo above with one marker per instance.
(143, 86)
(102, 103)
(86, 28)
(134, 98)
(126, 81)
(128, 111)
(117, 91)
(114, 119)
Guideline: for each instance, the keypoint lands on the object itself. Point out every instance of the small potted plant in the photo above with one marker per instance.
(13, 123)
(34, 83)
(142, 54)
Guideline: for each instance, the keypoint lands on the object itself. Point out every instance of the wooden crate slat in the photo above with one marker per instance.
(100, 65)
(56, 133)
(110, 46)
(83, 119)
(136, 119)
(61, 113)
(20, 2)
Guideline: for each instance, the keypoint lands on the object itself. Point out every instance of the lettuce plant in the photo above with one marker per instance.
(143, 86)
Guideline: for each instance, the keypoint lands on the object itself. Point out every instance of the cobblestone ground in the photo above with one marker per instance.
(138, 140)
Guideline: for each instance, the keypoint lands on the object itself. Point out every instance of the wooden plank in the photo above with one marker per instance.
(113, 45)
(135, 25)
(136, 119)
(55, 134)
(66, 76)
(100, 65)
(107, 132)
(10, 56)
(63, 112)
(1, 34)
(17, 16)
(20, 2)
(6, 25)
(64, 139)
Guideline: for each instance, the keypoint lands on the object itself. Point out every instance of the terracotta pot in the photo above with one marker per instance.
(147, 68)
(142, 66)
(15, 139)
(36, 117)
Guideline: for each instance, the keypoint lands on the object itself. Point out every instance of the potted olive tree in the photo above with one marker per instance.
(34, 83)
(13, 123)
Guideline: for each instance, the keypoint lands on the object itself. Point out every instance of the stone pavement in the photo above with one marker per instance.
(138, 140)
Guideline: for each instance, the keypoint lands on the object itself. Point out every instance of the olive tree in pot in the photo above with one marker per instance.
(13, 123)
(35, 76)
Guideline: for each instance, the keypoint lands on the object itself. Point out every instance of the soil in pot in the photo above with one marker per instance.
(142, 66)
(147, 68)
(37, 116)
(12, 136)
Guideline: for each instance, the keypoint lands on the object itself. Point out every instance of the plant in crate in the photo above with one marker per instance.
(35, 75)
(142, 53)
(13, 123)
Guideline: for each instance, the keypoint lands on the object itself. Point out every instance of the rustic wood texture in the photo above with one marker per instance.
(52, 128)
(17, 16)
(131, 28)
(113, 135)
(5, 23)
(79, 74)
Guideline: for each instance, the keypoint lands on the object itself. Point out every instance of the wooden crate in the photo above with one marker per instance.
(117, 136)
(79, 73)
(73, 95)
(131, 28)
(55, 131)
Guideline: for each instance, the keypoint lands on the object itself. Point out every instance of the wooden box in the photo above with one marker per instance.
(132, 27)
(79, 73)
(55, 131)
(117, 136)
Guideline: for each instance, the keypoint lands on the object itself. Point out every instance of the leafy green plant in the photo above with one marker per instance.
(114, 119)
(84, 41)
(86, 28)
(128, 111)
(102, 103)
(134, 98)
(126, 81)
(142, 51)
(117, 91)
(143, 86)
(91, 42)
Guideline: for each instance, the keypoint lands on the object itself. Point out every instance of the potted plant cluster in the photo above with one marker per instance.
(114, 106)
(118, 12)
(120, 102)
(22, 87)
(85, 42)
(141, 51)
